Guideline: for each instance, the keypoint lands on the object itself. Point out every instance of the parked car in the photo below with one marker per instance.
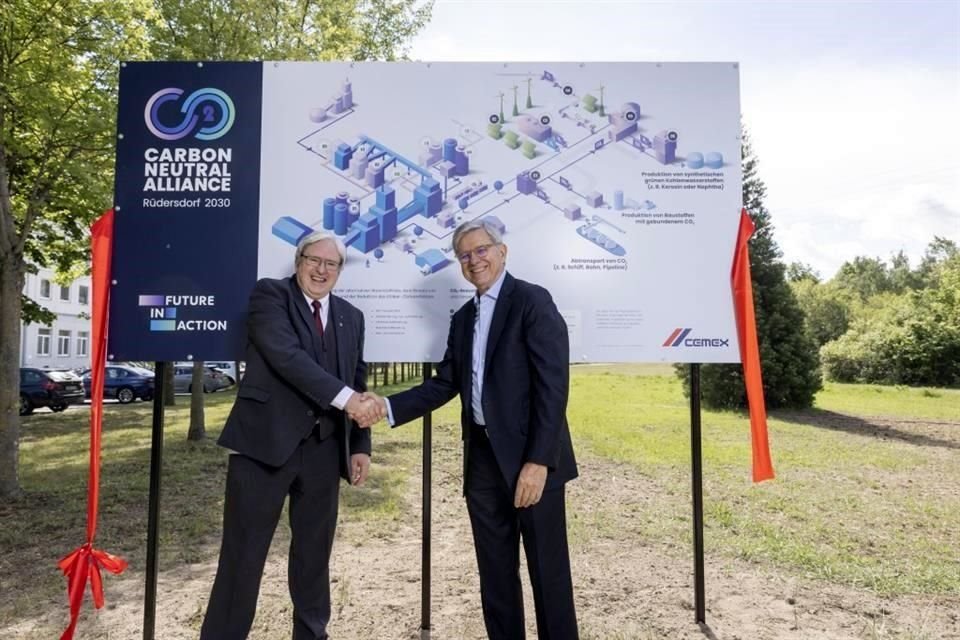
(123, 382)
(213, 380)
(48, 388)
(227, 368)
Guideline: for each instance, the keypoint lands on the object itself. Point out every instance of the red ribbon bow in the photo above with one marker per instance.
(82, 564)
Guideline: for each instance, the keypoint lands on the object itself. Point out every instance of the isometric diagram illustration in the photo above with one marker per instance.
(612, 185)
(543, 142)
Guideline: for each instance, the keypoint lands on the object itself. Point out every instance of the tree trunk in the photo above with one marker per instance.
(11, 284)
(197, 430)
(169, 393)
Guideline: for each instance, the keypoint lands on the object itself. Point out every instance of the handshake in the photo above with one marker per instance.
(366, 408)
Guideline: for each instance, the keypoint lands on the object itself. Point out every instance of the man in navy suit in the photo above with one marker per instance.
(508, 358)
(290, 432)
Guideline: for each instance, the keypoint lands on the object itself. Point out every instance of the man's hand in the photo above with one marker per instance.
(530, 485)
(366, 409)
(359, 469)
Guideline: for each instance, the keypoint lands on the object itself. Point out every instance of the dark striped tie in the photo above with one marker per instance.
(317, 319)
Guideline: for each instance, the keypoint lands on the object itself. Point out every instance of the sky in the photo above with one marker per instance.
(853, 108)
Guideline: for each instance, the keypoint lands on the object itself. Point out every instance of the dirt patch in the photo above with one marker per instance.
(625, 588)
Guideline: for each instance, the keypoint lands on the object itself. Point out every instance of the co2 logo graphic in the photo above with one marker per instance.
(200, 114)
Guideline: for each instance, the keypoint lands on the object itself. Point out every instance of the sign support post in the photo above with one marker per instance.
(153, 517)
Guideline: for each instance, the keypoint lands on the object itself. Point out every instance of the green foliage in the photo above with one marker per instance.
(798, 271)
(287, 30)
(788, 354)
(34, 313)
(864, 277)
(912, 338)
(826, 309)
(58, 65)
(939, 251)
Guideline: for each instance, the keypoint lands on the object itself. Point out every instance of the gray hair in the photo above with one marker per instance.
(475, 225)
(318, 236)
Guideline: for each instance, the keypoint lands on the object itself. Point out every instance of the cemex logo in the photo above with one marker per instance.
(206, 113)
(163, 313)
(679, 338)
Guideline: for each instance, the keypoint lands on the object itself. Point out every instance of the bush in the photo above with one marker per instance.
(912, 339)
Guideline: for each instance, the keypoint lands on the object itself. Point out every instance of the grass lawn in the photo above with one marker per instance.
(871, 503)
(867, 493)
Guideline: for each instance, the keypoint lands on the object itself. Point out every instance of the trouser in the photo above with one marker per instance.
(255, 494)
(497, 529)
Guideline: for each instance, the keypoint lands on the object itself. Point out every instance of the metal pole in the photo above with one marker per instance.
(697, 480)
(153, 510)
(425, 546)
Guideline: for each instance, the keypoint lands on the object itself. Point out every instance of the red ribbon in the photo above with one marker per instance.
(750, 350)
(83, 564)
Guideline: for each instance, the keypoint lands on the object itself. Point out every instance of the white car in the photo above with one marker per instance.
(228, 369)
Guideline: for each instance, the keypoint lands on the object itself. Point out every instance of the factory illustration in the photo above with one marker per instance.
(544, 143)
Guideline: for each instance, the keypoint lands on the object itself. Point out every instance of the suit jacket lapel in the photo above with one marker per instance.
(500, 312)
(344, 335)
(306, 314)
(466, 359)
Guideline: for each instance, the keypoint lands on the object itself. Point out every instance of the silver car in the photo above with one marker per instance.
(213, 380)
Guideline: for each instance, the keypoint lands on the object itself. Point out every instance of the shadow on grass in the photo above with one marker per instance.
(876, 429)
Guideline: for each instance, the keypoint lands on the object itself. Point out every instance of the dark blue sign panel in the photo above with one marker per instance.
(187, 200)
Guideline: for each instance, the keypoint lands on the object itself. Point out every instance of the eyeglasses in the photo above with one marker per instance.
(478, 252)
(315, 262)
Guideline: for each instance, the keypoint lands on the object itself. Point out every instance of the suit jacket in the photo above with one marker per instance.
(285, 386)
(525, 385)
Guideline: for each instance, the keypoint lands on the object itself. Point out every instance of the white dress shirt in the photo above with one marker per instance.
(342, 398)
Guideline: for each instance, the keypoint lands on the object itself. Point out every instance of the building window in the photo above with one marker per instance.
(43, 342)
(65, 293)
(83, 338)
(45, 289)
(83, 294)
(63, 343)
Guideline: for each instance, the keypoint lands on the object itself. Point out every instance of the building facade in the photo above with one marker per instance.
(66, 343)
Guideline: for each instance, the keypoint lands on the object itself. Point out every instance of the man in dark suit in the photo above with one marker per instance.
(508, 358)
(289, 434)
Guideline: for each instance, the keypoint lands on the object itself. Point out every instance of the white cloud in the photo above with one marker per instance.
(867, 155)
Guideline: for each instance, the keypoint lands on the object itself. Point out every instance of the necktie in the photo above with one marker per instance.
(317, 318)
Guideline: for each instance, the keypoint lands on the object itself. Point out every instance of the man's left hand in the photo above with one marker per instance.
(359, 469)
(530, 485)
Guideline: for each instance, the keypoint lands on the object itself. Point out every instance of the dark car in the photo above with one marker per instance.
(125, 383)
(213, 379)
(43, 388)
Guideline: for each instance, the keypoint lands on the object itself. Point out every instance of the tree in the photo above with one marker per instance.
(911, 338)
(938, 252)
(169, 392)
(788, 355)
(58, 64)
(58, 74)
(197, 429)
(288, 29)
(797, 271)
(826, 309)
(864, 277)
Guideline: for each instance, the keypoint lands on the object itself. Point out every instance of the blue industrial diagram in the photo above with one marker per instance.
(409, 203)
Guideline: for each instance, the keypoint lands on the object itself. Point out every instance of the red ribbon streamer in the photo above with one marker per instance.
(750, 350)
(84, 563)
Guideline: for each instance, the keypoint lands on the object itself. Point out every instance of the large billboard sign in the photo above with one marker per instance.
(617, 186)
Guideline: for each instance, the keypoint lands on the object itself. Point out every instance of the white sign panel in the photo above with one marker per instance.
(617, 187)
